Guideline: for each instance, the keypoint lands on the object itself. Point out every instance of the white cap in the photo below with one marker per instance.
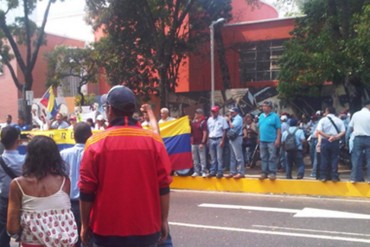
(99, 118)
(283, 118)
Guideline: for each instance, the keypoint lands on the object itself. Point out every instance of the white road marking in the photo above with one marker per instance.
(253, 208)
(289, 234)
(304, 213)
(322, 213)
(311, 230)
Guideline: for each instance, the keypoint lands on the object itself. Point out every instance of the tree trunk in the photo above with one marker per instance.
(82, 102)
(355, 92)
(27, 108)
(163, 88)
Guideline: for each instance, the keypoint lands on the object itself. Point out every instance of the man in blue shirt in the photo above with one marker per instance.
(269, 130)
(72, 156)
(294, 156)
(10, 138)
(237, 159)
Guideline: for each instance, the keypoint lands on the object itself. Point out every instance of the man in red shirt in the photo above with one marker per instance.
(124, 180)
(198, 143)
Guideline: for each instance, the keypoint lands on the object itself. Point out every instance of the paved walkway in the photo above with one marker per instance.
(251, 184)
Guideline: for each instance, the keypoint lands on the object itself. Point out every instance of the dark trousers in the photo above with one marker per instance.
(75, 207)
(294, 157)
(4, 238)
(329, 159)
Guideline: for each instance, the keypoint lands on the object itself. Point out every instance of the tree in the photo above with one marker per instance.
(79, 63)
(331, 44)
(23, 32)
(147, 40)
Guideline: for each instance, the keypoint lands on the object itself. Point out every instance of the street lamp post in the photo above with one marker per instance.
(212, 39)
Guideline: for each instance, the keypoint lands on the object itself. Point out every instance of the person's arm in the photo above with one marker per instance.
(14, 209)
(85, 209)
(278, 138)
(152, 119)
(165, 208)
(87, 185)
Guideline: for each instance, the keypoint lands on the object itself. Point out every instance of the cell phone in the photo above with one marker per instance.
(24, 136)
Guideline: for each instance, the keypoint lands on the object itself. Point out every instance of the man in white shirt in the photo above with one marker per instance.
(217, 126)
(331, 129)
(165, 116)
(361, 144)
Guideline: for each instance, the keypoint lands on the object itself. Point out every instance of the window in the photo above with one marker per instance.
(1, 65)
(259, 60)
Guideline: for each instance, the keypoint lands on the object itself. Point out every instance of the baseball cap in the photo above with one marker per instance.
(99, 118)
(215, 108)
(283, 118)
(234, 109)
(199, 111)
(121, 98)
(293, 122)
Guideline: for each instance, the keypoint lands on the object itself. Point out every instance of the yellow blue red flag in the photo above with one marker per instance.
(176, 137)
(48, 100)
(175, 134)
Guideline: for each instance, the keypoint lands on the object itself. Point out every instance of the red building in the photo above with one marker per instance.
(253, 42)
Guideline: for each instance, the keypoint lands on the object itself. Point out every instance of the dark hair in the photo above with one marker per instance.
(43, 158)
(82, 132)
(120, 113)
(331, 110)
(293, 122)
(268, 103)
(9, 136)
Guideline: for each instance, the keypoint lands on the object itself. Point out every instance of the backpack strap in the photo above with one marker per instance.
(335, 126)
(7, 169)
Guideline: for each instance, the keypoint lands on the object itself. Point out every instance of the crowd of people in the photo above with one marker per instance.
(88, 194)
(281, 141)
(64, 198)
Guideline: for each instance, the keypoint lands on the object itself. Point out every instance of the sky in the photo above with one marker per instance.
(67, 19)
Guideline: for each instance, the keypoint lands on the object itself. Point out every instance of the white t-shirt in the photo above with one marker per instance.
(360, 122)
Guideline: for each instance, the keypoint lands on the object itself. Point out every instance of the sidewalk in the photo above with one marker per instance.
(251, 184)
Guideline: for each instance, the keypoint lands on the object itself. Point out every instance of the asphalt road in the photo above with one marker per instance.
(231, 219)
(203, 219)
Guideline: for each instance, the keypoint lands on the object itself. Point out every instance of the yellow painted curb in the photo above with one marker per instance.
(279, 186)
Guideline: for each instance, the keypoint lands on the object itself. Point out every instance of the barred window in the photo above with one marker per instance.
(1, 65)
(259, 60)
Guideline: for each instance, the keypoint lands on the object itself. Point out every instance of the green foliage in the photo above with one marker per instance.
(72, 62)
(329, 44)
(147, 40)
(82, 64)
(86, 101)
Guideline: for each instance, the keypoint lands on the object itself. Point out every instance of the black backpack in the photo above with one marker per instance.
(290, 143)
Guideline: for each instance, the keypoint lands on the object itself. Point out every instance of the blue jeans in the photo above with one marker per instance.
(4, 238)
(297, 159)
(215, 151)
(268, 157)
(329, 159)
(313, 156)
(237, 158)
(361, 146)
(199, 158)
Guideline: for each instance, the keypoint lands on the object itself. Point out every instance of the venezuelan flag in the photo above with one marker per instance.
(48, 100)
(176, 138)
